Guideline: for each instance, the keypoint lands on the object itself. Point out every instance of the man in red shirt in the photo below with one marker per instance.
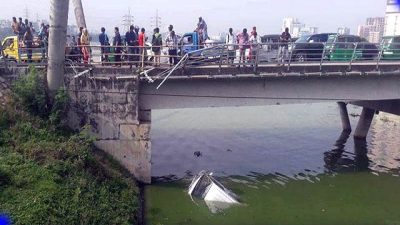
(142, 45)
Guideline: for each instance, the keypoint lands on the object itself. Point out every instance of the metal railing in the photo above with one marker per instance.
(283, 55)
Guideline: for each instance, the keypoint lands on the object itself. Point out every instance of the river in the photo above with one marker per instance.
(289, 164)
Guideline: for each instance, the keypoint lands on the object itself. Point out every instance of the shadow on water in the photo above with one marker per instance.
(339, 161)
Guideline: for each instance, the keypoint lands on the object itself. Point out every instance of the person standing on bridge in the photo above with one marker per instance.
(15, 26)
(26, 24)
(142, 46)
(44, 37)
(284, 40)
(32, 28)
(79, 43)
(243, 42)
(21, 28)
(202, 30)
(172, 44)
(231, 45)
(254, 46)
(105, 43)
(85, 46)
(117, 43)
(28, 42)
(131, 41)
(156, 44)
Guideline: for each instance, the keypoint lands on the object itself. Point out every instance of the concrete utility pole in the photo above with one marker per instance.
(57, 39)
(79, 14)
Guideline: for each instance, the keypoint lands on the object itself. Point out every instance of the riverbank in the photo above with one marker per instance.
(50, 175)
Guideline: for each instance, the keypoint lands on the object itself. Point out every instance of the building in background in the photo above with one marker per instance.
(296, 28)
(5, 29)
(343, 30)
(392, 19)
(373, 30)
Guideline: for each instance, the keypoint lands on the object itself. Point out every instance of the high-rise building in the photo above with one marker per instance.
(392, 19)
(373, 29)
(343, 30)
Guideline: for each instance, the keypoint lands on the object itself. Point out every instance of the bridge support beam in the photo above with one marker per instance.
(364, 123)
(57, 37)
(79, 13)
(344, 115)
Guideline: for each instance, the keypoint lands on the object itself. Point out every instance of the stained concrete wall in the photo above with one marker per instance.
(109, 105)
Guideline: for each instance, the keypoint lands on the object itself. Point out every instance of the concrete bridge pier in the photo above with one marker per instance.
(364, 123)
(344, 115)
(108, 105)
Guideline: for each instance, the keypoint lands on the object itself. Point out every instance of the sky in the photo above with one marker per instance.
(267, 15)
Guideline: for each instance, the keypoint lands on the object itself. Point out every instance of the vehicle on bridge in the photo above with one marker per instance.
(209, 51)
(14, 49)
(309, 47)
(390, 46)
(334, 47)
(349, 47)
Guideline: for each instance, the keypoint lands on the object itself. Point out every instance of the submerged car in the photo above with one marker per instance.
(216, 196)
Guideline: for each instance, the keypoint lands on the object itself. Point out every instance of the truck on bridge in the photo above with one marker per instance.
(15, 51)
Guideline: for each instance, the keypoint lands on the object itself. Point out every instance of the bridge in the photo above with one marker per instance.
(117, 101)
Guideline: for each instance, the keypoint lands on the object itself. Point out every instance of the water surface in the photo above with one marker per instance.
(289, 165)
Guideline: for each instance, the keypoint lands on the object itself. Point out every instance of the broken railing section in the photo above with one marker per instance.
(181, 64)
(216, 196)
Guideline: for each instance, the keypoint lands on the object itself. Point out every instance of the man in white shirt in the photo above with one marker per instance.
(231, 45)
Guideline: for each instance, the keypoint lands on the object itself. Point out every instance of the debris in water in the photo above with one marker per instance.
(198, 154)
(216, 196)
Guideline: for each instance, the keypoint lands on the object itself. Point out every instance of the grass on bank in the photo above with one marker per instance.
(49, 175)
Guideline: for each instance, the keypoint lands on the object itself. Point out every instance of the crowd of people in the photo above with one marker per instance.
(132, 48)
(28, 36)
(134, 45)
(244, 41)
